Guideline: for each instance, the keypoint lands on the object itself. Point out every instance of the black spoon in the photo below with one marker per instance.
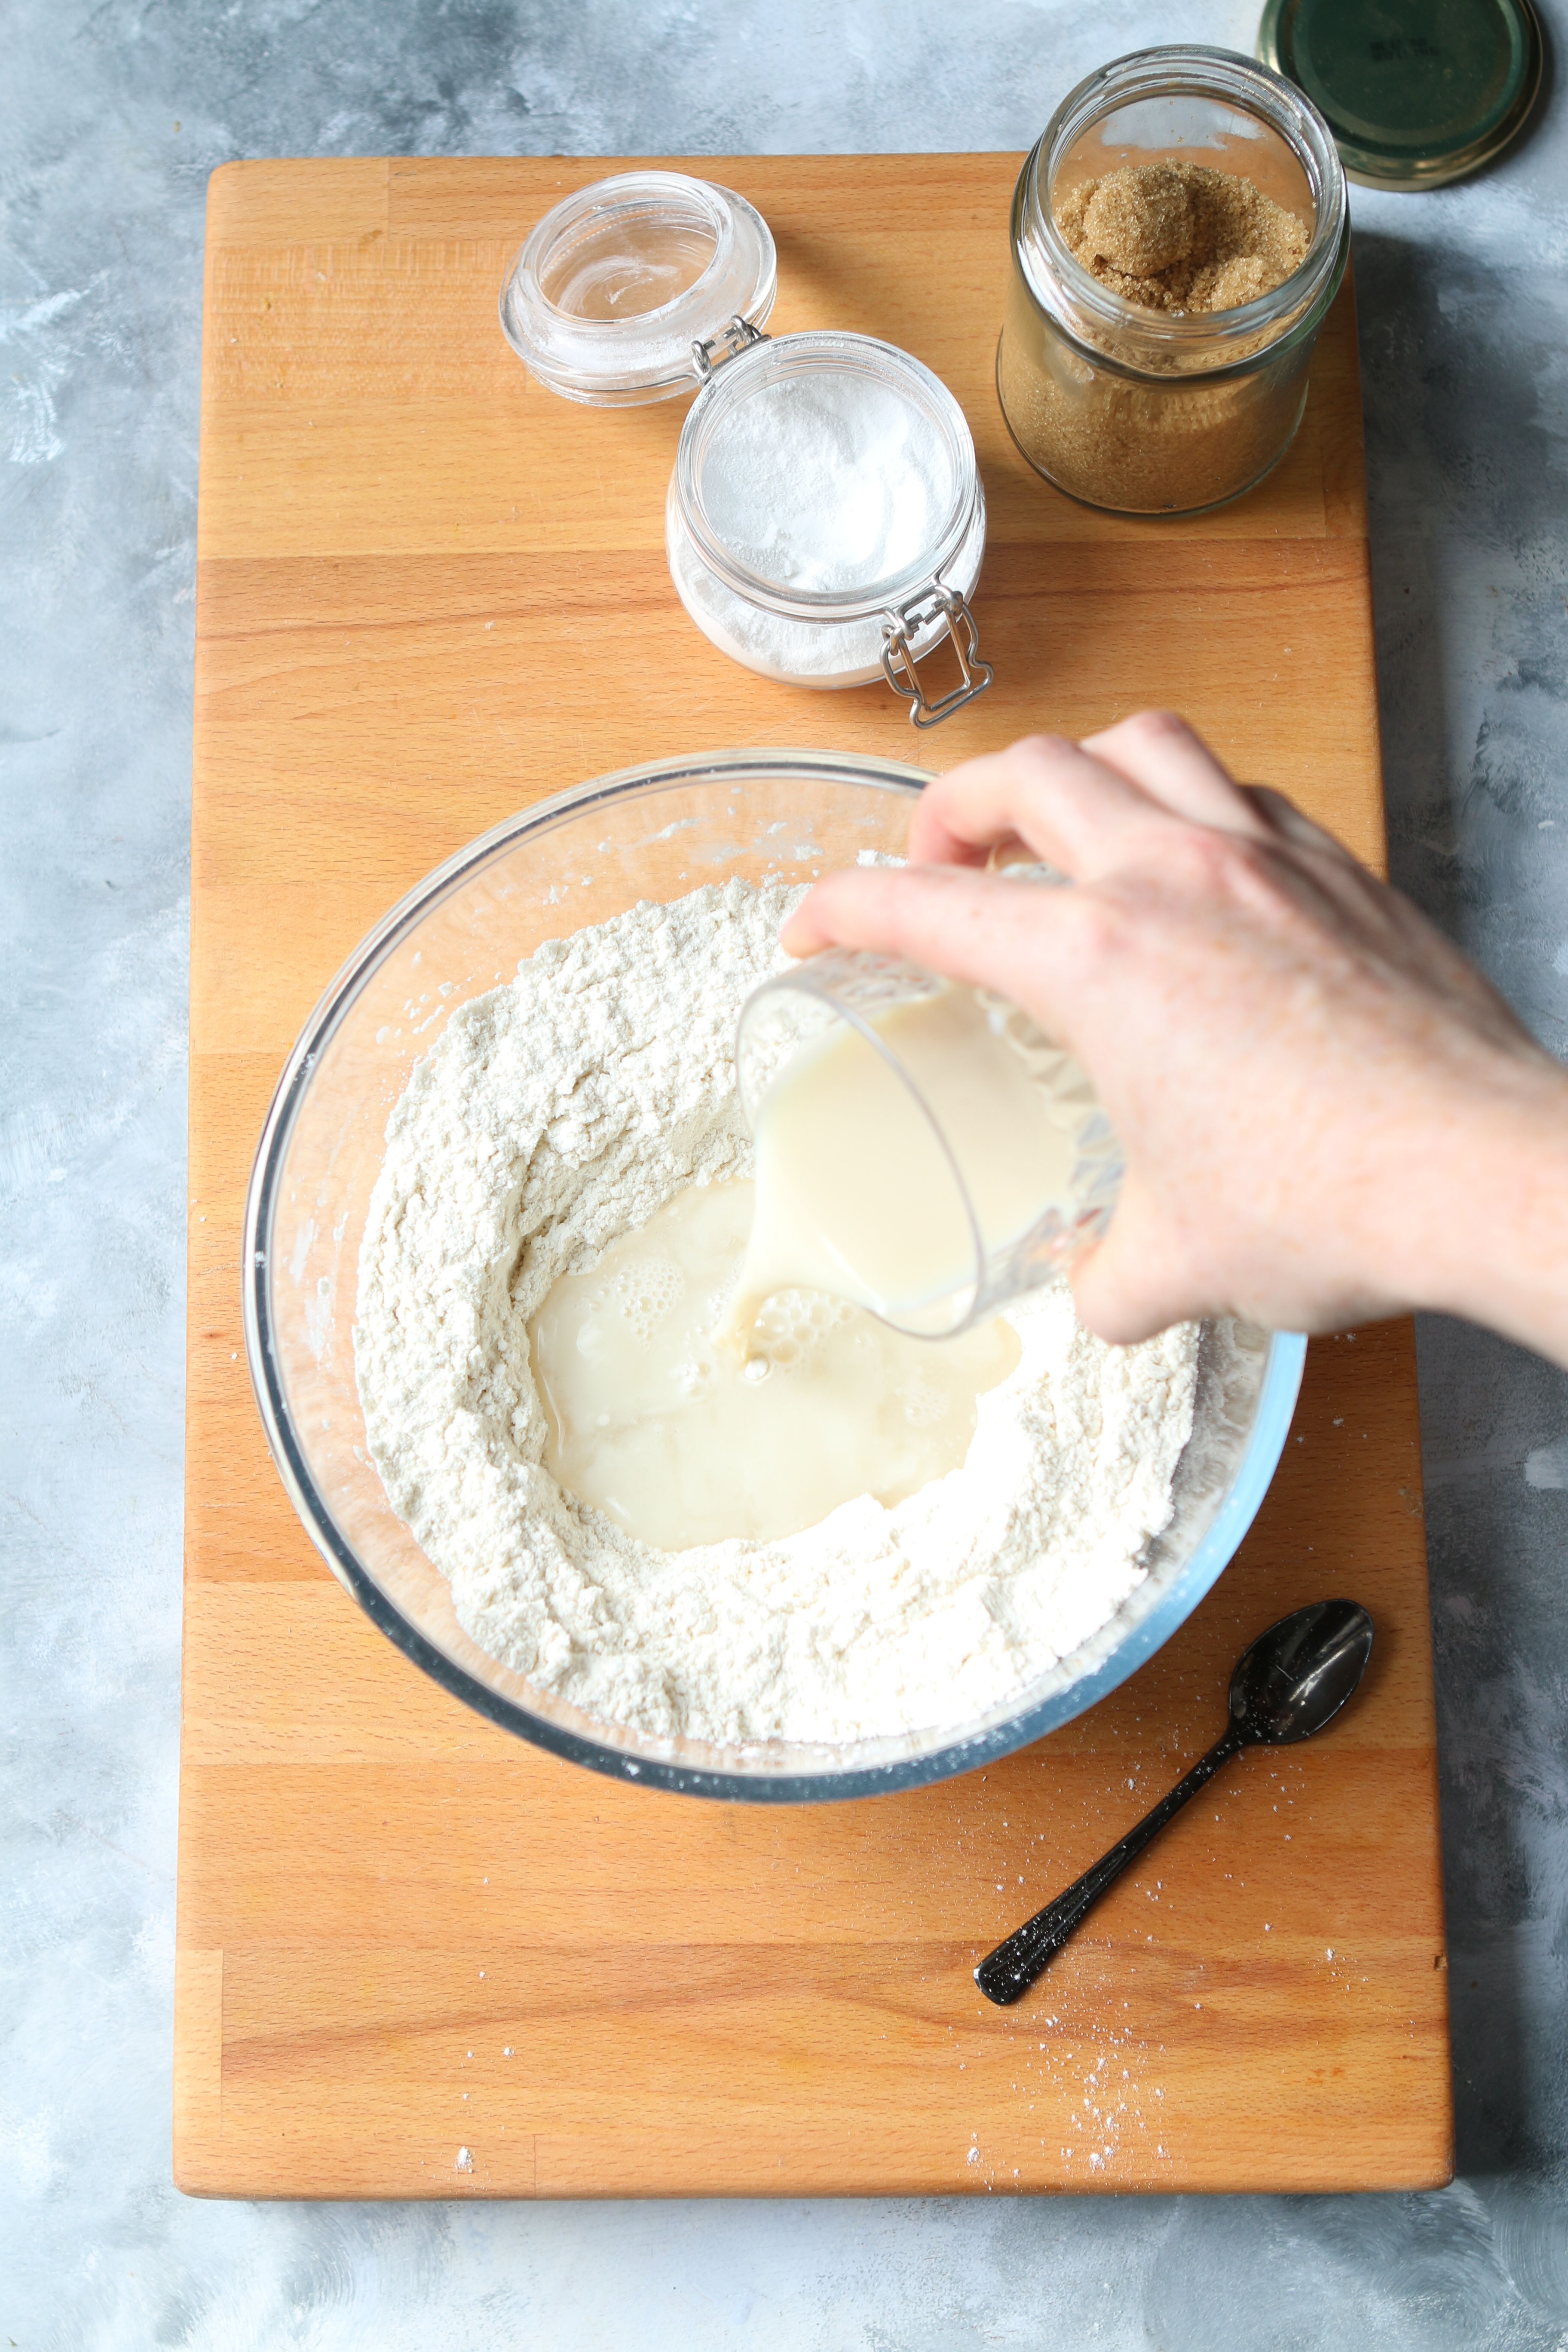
(1292, 1681)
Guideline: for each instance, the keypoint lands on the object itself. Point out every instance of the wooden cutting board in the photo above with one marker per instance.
(417, 1957)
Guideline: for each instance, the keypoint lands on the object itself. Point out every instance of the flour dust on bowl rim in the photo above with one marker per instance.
(657, 832)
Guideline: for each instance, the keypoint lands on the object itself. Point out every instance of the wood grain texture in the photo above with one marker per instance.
(429, 594)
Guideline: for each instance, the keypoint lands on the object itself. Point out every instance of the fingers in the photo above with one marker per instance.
(1013, 937)
(1161, 754)
(1281, 817)
(1063, 804)
(1078, 806)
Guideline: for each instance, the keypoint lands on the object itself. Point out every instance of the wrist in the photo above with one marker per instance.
(1478, 1218)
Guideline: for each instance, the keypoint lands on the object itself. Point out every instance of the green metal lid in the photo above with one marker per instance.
(1416, 92)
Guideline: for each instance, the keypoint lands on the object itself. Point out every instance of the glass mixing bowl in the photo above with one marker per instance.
(655, 833)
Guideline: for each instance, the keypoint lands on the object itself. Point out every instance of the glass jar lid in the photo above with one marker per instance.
(1416, 92)
(826, 476)
(607, 299)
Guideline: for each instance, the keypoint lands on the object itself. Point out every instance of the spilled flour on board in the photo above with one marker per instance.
(561, 1111)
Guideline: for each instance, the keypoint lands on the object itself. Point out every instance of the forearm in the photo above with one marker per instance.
(1490, 1238)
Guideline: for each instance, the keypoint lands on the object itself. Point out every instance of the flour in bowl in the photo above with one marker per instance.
(561, 1111)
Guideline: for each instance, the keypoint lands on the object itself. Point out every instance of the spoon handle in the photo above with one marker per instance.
(1007, 1974)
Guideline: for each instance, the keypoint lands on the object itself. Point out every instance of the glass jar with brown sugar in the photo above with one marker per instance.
(1178, 235)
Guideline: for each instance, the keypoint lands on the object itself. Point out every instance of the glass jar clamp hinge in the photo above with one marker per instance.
(709, 351)
(899, 630)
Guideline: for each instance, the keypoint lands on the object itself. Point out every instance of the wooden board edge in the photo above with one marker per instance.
(226, 2176)
(198, 2070)
(242, 194)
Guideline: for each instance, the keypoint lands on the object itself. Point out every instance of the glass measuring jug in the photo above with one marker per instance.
(922, 1148)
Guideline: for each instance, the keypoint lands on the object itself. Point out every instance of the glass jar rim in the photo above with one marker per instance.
(1223, 74)
(824, 351)
(647, 355)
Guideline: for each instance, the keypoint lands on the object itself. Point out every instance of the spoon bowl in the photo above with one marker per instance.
(1294, 1678)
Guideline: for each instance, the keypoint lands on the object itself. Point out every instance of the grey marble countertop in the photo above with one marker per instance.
(112, 115)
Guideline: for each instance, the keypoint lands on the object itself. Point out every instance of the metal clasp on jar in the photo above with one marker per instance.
(710, 351)
(899, 630)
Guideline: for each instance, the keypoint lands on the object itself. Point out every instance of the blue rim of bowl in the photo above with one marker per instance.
(1260, 1459)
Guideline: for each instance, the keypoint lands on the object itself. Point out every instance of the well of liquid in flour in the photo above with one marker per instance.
(682, 1442)
(855, 1193)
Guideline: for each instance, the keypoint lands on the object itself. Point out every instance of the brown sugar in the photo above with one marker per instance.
(1155, 418)
(1140, 220)
(1179, 237)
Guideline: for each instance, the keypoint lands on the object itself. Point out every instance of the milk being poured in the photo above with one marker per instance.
(681, 1443)
(733, 1368)
(870, 1194)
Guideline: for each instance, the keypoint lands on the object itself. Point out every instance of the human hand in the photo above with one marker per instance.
(1327, 1114)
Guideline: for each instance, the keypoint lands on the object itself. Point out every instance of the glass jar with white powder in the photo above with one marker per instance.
(825, 522)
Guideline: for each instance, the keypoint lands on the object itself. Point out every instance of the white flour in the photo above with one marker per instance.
(559, 1112)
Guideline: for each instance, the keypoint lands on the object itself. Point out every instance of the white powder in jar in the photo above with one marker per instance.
(829, 483)
(555, 1114)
